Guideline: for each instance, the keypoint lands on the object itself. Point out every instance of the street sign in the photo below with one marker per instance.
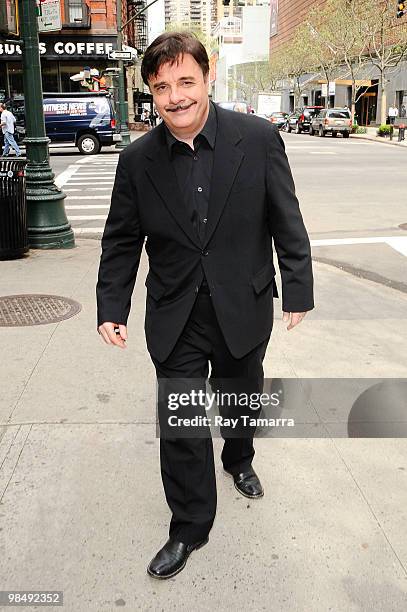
(120, 55)
(50, 18)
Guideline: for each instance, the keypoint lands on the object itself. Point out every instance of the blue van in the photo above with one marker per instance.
(87, 120)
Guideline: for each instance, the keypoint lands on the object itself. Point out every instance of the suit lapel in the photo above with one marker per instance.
(164, 180)
(226, 163)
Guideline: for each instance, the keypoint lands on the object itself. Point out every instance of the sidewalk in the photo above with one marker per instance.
(81, 502)
(372, 135)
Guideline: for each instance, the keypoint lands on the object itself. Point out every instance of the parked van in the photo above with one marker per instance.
(87, 120)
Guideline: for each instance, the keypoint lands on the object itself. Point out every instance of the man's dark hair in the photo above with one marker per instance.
(169, 48)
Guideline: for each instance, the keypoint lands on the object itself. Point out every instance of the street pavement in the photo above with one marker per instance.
(81, 502)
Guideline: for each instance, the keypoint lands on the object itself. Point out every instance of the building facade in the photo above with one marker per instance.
(194, 14)
(284, 20)
(88, 32)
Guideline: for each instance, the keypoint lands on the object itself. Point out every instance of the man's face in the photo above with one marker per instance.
(180, 94)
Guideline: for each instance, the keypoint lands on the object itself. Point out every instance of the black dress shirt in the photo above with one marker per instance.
(193, 169)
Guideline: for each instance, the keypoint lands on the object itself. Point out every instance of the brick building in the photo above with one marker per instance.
(87, 35)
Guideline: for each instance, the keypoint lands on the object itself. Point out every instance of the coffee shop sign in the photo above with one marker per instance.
(60, 49)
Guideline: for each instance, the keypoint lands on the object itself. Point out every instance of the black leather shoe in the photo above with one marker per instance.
(172, 558)
(248, 483)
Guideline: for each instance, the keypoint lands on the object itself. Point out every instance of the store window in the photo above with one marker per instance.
(15, 78)
(50, 76)
(3, 81)
(67, 70)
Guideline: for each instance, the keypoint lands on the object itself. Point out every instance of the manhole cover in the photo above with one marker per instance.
(35, 309)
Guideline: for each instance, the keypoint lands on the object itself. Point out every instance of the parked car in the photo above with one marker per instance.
(333, 120)
(278, 119)
(87, 120)
(291, 121)
(306, 115)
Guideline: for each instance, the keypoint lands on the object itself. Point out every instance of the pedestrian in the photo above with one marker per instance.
(8, 121)
(154, 117)
(403, 111)
(146, 118)
(393, 112)
(209, 189)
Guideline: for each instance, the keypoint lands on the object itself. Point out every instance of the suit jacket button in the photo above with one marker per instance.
(196, 289)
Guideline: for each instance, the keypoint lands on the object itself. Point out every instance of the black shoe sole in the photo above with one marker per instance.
(197, 547)
(241, 492)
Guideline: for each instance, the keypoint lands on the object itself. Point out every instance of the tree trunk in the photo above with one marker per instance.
(353, 102)
(383, 106)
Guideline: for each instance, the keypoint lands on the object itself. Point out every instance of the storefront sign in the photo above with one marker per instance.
(64, 48)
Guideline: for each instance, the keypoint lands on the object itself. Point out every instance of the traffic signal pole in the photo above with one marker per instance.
(48, 226)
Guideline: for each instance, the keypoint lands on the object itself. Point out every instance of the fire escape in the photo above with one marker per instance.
(137, 34)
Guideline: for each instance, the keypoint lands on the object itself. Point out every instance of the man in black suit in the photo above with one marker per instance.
(209, 189)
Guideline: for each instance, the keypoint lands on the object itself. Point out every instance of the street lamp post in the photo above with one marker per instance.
(122, 103)
(48, 226)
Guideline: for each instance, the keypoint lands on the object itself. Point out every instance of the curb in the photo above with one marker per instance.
(381, 141)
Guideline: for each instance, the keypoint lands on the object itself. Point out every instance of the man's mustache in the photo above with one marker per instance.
(179, 107)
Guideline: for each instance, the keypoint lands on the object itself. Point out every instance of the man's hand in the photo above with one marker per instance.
(294, 318)
(106, 330)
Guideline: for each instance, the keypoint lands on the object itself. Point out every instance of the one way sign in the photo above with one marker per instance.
(50, 18)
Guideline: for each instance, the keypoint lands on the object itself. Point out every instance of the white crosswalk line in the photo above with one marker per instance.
(399, 243)
(94, 197)
(88, 230)
(64, 177)
(86, 217)
(92, 189)
(87, 206)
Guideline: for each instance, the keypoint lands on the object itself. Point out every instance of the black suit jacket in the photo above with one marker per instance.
(252, 201)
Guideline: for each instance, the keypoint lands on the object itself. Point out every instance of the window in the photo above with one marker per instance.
(77, 14)
(345, 114)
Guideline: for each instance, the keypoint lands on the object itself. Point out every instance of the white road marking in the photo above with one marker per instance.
(88, 230)
(305, 146)
(86, 197)
(399, 243)
(87, 206)
(87, 184)
(323, 153)
(92, 189)
(86, 217)
(64, 177)
(88, 177)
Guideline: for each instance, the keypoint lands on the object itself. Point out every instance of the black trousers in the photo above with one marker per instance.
(187, 463)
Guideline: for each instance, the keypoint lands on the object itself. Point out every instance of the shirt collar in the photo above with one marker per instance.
(208, 131)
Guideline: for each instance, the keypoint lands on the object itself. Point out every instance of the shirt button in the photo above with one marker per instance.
(199, 189)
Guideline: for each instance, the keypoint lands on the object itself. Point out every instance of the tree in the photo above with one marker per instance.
(297, 62)
(254, 77)
(386, 42)
(340, 41)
